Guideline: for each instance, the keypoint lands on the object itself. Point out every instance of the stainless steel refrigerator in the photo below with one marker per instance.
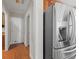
(59, 41)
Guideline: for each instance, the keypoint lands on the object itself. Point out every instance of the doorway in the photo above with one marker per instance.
(3, 31)
(28, 30)
(16, 30)
(28, 34)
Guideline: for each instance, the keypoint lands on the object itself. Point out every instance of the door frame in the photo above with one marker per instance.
(26, 30)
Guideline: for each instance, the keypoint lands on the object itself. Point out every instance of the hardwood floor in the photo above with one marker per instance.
(18, 52)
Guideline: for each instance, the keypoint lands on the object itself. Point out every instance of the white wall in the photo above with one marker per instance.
(38, 28)
(31, 40)
(16, 30)
(36, 37)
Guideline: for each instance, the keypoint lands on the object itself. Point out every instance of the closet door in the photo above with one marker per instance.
(16, 30)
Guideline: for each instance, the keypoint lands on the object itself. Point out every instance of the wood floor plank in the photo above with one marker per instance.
(19, 52)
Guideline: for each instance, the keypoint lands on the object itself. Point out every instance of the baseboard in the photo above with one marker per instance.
(16, 43)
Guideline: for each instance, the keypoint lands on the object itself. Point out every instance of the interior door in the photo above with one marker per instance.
(15, 30)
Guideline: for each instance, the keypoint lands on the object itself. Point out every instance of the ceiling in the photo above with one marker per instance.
(15, 8)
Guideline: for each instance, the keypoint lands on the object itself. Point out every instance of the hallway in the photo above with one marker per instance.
(23, 24)
(19, 52)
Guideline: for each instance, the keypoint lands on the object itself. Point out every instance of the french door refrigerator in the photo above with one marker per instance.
(59, 41)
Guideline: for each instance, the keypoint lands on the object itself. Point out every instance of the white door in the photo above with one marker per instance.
(15, 30)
